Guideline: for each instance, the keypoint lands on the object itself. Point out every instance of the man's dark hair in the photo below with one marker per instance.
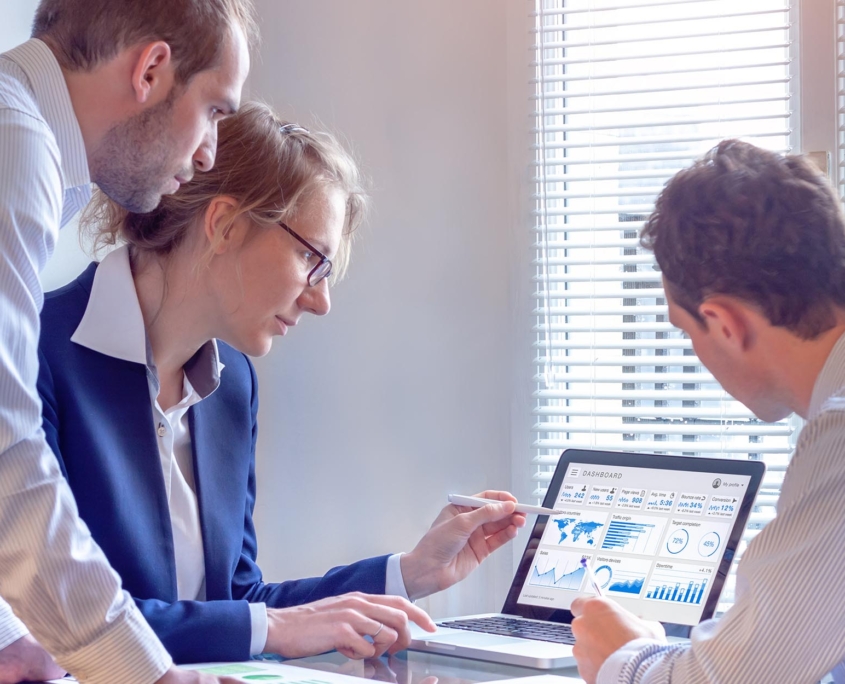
(84, 33)
(756, 225)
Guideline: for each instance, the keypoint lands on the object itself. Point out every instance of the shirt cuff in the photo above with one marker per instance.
(611, 672)
(129, 652)
(394, 583)
(258, 618)
(11, 629)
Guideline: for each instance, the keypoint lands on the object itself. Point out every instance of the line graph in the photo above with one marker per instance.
(559, 570)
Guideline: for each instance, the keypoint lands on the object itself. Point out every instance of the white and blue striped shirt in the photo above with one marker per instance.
(788, 622)
(51, 571)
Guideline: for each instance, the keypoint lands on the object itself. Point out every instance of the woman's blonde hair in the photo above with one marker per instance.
(268, 166)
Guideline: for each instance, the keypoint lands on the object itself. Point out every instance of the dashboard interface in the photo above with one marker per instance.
(653, 538)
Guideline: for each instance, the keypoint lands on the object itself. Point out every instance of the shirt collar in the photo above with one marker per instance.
(114, 325)
(831, 379)
(49, 88)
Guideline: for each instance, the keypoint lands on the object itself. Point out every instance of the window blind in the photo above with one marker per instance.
(626, 93)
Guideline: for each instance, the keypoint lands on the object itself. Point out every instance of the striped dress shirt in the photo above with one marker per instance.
(52, 573)
(788, 622)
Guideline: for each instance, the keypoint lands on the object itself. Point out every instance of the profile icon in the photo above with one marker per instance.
(717, 483)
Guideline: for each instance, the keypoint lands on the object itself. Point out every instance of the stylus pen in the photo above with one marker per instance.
(478, 502)
(592, 577)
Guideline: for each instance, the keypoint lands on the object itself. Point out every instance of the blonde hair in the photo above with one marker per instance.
(268, 166)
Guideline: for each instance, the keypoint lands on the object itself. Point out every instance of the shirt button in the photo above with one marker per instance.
(162, 431)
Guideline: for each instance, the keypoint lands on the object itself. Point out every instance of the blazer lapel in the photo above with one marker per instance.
(133, 467)
(221, 490)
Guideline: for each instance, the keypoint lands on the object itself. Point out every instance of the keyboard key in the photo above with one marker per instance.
(515, 627)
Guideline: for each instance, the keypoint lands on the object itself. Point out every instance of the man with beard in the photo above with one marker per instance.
(752, 249)
(127, 94)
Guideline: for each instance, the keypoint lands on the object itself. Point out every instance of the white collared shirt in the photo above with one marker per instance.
(113, 324)
(786, 624)
(86, 621)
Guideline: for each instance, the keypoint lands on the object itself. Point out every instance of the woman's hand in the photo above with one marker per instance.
(458, 541)
(341, 623)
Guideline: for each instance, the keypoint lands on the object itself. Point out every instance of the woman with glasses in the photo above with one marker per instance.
(150, 404)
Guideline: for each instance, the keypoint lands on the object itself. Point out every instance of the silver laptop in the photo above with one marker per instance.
(659, 533)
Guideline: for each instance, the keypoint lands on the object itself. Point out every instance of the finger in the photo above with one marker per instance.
(515, 520)
(352, 644)
(577, 607)
(502, 537)
(394, 611)
(496, 494)
(384, 638)
(487, 514)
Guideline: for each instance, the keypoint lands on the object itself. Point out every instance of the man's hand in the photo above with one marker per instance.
(458, 541)
(176, 676)
(601, 627)
(25, 660)
(341, 623)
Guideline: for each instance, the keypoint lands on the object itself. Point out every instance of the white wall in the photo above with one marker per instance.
(370, 416)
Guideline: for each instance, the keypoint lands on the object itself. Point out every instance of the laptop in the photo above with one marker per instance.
(659, 533)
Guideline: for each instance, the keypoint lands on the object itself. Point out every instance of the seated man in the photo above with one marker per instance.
(752, 249)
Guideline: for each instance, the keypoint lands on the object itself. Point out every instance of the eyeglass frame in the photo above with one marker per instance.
(323, 258)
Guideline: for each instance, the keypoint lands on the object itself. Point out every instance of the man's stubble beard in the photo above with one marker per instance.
(131, 163)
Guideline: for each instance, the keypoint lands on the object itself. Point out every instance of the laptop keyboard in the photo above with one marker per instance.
(515, 627)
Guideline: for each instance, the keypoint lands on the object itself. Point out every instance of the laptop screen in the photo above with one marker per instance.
(659, 533)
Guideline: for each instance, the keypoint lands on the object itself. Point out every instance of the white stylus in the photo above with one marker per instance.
(478, 502)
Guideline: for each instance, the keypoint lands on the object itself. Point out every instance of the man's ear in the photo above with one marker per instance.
(728, 322)
(153, 74)
(221, 227)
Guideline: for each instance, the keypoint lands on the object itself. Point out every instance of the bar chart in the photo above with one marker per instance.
(678, 585)
(633, 534)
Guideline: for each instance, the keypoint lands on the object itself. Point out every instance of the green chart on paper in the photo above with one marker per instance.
(251, 673)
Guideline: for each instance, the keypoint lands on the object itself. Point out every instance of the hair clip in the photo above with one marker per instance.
(291, 128)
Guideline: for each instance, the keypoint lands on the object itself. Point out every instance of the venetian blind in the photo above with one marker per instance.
(628, 92)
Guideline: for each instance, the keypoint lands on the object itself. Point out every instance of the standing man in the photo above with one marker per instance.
(127, 94)
(752, 249)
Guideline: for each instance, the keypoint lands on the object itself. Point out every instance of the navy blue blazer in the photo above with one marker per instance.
(98, 420)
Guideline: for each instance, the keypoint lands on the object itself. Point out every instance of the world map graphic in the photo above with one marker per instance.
(577, 529)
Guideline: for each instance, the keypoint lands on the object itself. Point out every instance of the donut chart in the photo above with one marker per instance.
(709, 544)
(604, 573)
(677, 541)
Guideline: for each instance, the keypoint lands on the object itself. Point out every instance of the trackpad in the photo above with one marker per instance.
(474, 640)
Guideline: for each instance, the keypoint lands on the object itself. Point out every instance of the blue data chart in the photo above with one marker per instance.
(709, 544)
(633, 534)
(678, 586)
(581, 531)
(695, 540)
(677, 541)
(620, 575)
(633, 586)
(559, 571)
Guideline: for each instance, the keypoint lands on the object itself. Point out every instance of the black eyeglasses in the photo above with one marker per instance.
(323, 269)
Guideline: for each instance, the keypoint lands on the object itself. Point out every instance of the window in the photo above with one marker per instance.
(627, 93)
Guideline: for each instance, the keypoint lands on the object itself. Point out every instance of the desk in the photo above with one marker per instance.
(412, 667)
